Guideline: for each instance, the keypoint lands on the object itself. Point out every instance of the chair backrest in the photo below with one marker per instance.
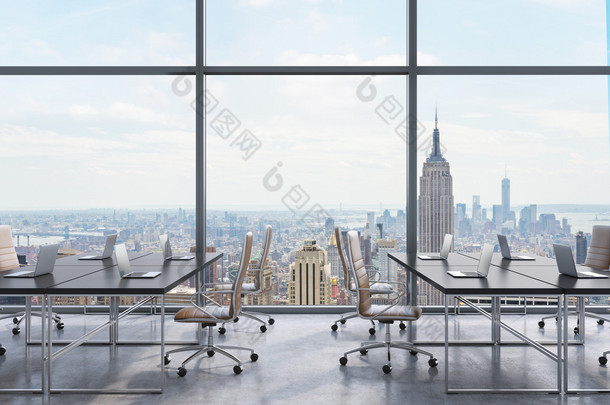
(8, 256)
(347, 274)
(246, 251)
(598, 255)
(359, 274)
(258, 280)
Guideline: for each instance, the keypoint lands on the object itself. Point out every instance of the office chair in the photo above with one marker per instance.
(385, 314)
(598, 257)
(256, 267)
(376, 287)
(214, 313)
(9, 261)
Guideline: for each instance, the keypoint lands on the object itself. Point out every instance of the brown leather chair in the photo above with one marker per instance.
(213, 313)
(10, 261)
(379, 287)
(598, 257)
(386, 314)
(256, 268)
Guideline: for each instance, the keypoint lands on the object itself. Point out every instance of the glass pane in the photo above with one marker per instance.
(88, 156)
(111, 32)
(303, 154)
(306, 33)
(519, 32)
(528, 156)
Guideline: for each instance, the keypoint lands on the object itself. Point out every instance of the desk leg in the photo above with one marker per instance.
(560, 361)
(581, 318)
(565, 343)
(162, 342)
(43, 343)
(49, 321)
(28, 319)
(446, 343)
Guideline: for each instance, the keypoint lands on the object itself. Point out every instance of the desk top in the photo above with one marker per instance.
(498, 281)
(108, 281)
(111, 261)
(545, 269)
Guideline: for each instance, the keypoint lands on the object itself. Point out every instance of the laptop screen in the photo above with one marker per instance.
(110, 241)
(504, 248)
(446, 245)
(122, 259)
(485, 260)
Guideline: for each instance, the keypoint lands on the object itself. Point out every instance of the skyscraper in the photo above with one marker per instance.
(581, 248)
(333, 258)
(310, 282)
(387, 267)
(435, 198)
(505, 198)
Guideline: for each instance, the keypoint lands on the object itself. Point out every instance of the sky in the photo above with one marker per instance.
(83, 142)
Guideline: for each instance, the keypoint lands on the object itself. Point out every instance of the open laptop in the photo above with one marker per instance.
(166, 250)
(566, 265)
(125, 268)
(444, 250)
(505, 249)
(483, 267)
(45, 264)
(107, 253)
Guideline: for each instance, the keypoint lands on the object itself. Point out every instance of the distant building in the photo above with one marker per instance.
(387, 266)
(310, 282)
(505, 198)
(333, 258)
(497, 215)
(581, 247)
(435, 198)
(476, 209)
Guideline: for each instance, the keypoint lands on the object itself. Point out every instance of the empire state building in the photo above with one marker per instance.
(435, 198)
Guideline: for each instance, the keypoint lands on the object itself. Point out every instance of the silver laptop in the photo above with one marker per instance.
(566, 265)
(444, 250)
(108, 247)
(483, 267)
(166, 250)
(122, 260)
(45, 264)
(505, 249)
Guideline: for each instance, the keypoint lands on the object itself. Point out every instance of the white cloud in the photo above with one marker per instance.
(82, 110)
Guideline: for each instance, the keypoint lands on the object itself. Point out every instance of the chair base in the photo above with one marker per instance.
(210, 349)
(252, 316)
(387, 344)
(349, 315)
(20, 317)
(600, 319)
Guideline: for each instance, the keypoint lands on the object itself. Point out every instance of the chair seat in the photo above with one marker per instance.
(378, 288)
(397, 312)
(192, 314)
(227, 287)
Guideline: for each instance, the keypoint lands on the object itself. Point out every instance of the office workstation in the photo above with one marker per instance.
(432, 129)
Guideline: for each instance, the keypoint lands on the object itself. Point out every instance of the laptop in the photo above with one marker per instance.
(483, 267)
(45, 264)
(125, 268)
(444, 250)
(566, 265)
(108, 247)
(166, 250)
(505, 249)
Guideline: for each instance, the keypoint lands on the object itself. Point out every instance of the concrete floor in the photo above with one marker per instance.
(299, 364)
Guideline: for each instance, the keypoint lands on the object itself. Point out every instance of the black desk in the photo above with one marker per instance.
(497, 284)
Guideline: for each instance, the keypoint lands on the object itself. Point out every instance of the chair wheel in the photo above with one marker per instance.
(402, 326)
(342, 321)
(271, 321)
(334, 327)
(211, 353)
(433, 362)
(363, 351)
(603, 360)
(222, 330)
(15, 320)
(413, 352)
(236, 319)
(59, 325)
(238, 369)
(372, 331)
(541, 324)
(576, 331)
(166, 360)
(2, 350)
(263, 328)
(343, 361)
(16, 331)
(386, 369)
(600, 322)
(254, 357)
(181, 371)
